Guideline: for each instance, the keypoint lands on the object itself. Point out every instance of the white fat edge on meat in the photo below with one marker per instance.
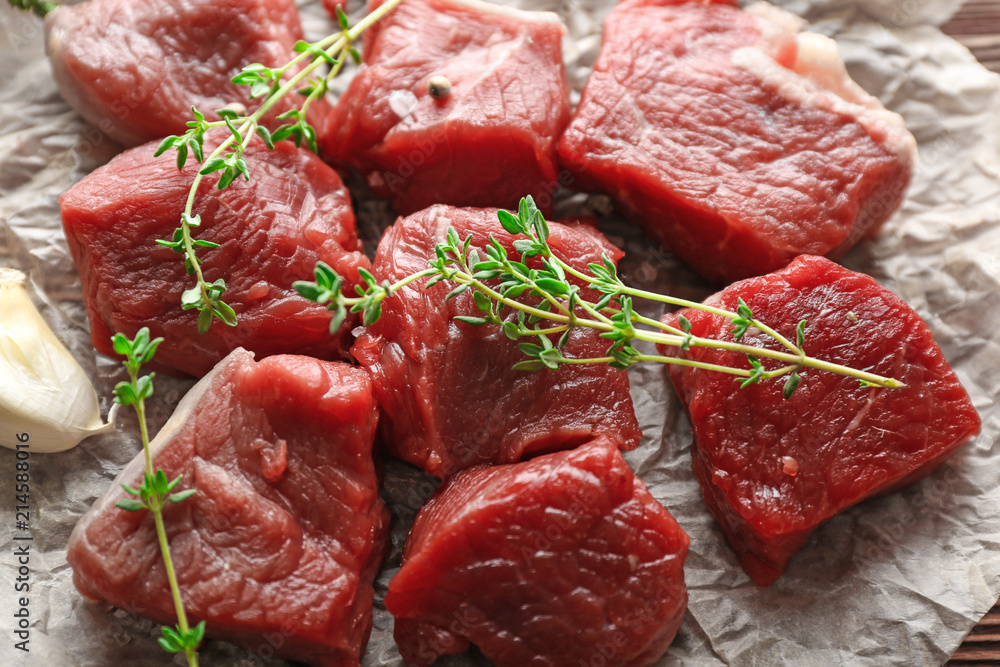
(132, 472)
(819, 79)
(441, 223)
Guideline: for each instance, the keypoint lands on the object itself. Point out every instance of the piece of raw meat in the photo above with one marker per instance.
(134, 68)
(272, 229)
(448, 390)
(491, 141)
(561, 560)
(772, 470)
(286, 531)
(734, 141)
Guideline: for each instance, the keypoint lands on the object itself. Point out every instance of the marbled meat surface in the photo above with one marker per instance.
(562, 560)
(772, 470)
(134, 68)
(491, 141)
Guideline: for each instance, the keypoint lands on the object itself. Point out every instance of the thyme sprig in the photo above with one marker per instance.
(301, 75)
(545, 303)
(156, 490)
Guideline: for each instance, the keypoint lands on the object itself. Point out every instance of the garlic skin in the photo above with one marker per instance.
(43, 391)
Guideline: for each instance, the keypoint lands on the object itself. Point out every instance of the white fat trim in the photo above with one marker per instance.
(442, 222)
(819, 80)
(133, 471)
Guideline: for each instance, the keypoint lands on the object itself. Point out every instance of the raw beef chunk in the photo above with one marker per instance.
(562, 560)
(134, 68)
(448, 390)
(488, 143)
(772, 470)
(286, 530)
(293, 212)
(734, 141)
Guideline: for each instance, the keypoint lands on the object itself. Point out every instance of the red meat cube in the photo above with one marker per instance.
(491, 141)
(733, 141)
(556, 561)
(134, 68)
(286, 530)
(448, 390)
(773, 470)
(272, 230)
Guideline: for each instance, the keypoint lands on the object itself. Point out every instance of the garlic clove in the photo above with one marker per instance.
(44, 392)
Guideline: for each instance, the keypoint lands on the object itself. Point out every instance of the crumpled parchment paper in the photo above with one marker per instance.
(898, 580)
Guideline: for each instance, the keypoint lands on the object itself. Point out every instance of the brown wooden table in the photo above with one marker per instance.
(982, 646)
(977, 26)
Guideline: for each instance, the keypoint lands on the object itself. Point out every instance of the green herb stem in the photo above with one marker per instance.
(190, 652)
(551, 331)
(741, 372)
(341, 42)
(562, 306)
(140, 412)
(675, 301)
(795, 360)
(676, 338)
(675, 361)
(463, 278)
(467, 272)
(649, 321)
(154, 491)
(156, 507)
(596, 314)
